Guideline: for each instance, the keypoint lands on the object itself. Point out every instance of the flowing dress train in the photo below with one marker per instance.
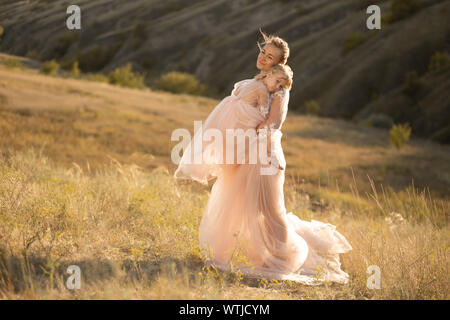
(245, 225)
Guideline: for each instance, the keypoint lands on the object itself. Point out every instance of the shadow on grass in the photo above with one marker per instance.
(19, 274)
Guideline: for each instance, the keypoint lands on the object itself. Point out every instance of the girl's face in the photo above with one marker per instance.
(274, 82)
(268, 56)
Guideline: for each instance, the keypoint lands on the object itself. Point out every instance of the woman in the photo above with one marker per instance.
(245, 225)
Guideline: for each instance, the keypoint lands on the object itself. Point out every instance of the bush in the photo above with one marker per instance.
(300, 10)
(125, 77)
(98, 77)
(352, 41)
(179, 82)
(401, 9)
(139, 34)
(97, 57)
(63, 44)
(439, 61)
(32, 54)
(442, 135)
(75, 72)
(12, 63)
(399, 134)
(380, 120)
(1, 31)
(50, 67)
(147, 63)
(413, 85)
(363, 4)
(312, 107)
(171, 6)
(93, 59)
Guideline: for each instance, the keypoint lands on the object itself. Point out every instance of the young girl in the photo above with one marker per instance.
(247, 108)
(245, 225)
(258, 92)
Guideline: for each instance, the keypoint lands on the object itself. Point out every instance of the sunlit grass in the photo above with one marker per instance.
(86, 179)
(134, 234)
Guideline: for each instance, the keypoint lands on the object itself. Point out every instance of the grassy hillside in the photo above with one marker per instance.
(348, 69)
(86, 179)
(87, 122)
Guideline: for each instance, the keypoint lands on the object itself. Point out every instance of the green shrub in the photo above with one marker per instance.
(442, 135)
(97, 57)
(401, 9)
(312, 107)
(67, 64)
(181, 66)
(439, 61)
(1, 31)
(147, 63)
(12, 63)
(32, 54)
(363, 4)
(380, 120)
(137, 43)
(300, 10)
(385, 19)
(413, 86)
(50, 67)
(124, 76)
(179, 82)
(98, 77)
(171, 6)
(352, 41)
(139, 34)
(75, 72)
(206, 41)
(63, 44)
(93, 59)
(140, 30)
(399, 134)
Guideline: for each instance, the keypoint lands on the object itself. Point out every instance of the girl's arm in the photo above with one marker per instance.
(276, 113)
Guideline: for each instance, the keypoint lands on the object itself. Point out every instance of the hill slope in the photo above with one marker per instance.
(216, 41)
(88, 122)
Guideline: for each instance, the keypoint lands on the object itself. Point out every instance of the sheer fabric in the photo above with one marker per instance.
(245, 225)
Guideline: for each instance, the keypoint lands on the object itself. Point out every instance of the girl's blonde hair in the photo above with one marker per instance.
(277, 42)
(283, 69)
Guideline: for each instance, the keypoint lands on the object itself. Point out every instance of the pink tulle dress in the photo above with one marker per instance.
(245, 226)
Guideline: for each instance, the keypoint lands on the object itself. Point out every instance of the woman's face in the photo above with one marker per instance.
(268, 56)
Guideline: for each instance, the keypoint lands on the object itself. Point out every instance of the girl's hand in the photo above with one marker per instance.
(261, 125)
(279, 165)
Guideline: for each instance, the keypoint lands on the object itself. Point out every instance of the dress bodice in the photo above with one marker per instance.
(253, 93)
(256, 94)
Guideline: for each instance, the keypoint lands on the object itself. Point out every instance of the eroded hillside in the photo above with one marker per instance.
(216, 41)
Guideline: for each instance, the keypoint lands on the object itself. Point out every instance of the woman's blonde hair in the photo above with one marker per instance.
(277, 42)
(283, 69)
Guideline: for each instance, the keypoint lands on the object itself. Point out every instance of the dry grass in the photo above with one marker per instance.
(134, 234)
(99, 194)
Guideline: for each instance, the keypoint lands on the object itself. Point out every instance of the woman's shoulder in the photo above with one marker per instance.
(242, 82)
(252, 85)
